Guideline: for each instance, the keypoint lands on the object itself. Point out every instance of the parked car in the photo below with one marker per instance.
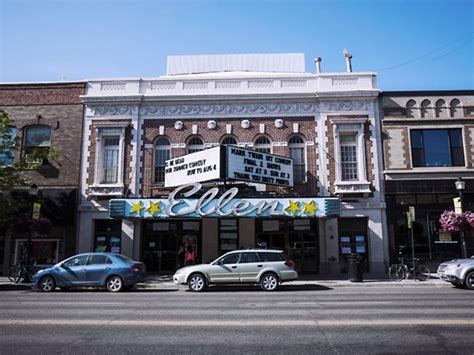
(269, 268)
(460, 272)
(115, 272)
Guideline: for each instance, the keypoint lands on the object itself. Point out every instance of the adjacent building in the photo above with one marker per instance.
(328, 123)
(428, 140)
(47, 116)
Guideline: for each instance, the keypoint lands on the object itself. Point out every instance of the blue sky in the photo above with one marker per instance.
(411, 44)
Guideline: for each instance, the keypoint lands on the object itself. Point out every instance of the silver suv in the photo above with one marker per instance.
(269, 268)
(460, 272)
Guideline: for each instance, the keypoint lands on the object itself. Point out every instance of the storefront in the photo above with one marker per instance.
(183, 231)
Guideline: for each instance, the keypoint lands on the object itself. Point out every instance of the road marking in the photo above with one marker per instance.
(239, 323)
(72, 303)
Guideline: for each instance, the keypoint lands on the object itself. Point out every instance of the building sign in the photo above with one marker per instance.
(229, 162)
(262, 168)
(180, 204)
(200, 166)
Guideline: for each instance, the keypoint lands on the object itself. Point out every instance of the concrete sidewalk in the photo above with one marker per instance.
(156, 282)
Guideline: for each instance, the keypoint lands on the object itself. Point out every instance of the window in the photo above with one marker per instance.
(97, 259)
(248, 258)
(425, 105)
(410, 108)
(76, 261)
(437, 147)
(228, 234)
(7, 144)
(262, 144)
(348, 148)
(162, 154)
(107, 236)
(110, 160)
(195, 145)
(297, 153)
(271, 256)
(229, 259)
(36, 138)
(229, 141)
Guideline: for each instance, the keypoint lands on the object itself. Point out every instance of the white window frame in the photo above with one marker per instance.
(102, 133)
(351, 126)
(305, 157)
(155, 148)
(268, 145)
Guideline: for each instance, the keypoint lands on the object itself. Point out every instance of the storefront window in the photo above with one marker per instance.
(43, 251)
(228, 235)
(108, 236)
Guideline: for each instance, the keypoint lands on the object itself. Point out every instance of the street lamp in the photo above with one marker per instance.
(33, 192)
(460, 186)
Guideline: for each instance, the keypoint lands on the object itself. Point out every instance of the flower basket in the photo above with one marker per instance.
(469, 218)
(41, 226)
(450, 221)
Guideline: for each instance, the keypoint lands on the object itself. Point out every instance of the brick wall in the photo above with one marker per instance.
(306, 130)
(55, 105)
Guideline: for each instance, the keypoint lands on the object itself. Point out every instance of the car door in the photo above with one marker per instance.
(249, 267)
(72, 272)
(226, 269)
(97, 269)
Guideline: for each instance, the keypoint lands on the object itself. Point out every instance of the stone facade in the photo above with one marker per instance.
(244, 106)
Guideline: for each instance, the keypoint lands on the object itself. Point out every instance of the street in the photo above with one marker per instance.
(296, 319)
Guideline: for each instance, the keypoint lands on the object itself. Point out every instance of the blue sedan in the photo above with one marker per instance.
(116, 272)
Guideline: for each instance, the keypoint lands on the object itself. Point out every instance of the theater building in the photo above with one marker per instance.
(428, 145)
(327, 123)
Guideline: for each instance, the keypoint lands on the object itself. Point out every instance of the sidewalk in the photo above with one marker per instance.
(156, 282)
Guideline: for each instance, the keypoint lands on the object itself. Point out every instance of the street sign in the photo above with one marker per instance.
(457, 205)
(36, 210)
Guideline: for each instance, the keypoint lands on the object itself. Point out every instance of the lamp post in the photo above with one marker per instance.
(460, 186)
(33, 192)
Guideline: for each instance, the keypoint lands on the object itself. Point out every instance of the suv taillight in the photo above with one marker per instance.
(290, 264)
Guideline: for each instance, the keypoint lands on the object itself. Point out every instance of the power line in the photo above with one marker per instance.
(466, 38)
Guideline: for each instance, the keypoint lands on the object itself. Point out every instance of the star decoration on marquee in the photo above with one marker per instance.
(293, 208)
(153, 208)
(137, 207)
(310, 208)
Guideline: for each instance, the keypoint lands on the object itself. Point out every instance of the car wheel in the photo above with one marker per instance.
(458, 285)
(114, 284)
(269, 282)
(470, 280)
(197, 282)
(47, 284)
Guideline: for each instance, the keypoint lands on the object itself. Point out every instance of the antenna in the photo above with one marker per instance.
(348, 58)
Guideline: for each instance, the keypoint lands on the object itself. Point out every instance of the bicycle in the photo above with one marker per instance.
(401, 271)
(21, 272)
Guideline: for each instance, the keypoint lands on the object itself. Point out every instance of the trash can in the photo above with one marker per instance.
(355, 267)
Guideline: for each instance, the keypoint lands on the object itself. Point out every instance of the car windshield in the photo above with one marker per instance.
(123, 258)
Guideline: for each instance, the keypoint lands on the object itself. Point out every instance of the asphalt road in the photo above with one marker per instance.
(311, 319)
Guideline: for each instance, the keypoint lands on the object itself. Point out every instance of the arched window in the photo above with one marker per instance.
(36, 139)
(424, 109)
(455, 108)
(162, 154)
(410, 108)
(263, 144)
(296, 148)
(440, 108)
(229, 140)
(195, 144)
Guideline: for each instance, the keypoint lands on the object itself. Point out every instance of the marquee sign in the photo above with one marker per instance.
(201, 166)
(229, 163)
(180, 204)
(262, 168)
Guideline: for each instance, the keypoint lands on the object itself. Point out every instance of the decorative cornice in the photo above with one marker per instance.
(236, 109)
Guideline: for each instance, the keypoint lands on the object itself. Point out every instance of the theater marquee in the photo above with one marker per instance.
(181, 204)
